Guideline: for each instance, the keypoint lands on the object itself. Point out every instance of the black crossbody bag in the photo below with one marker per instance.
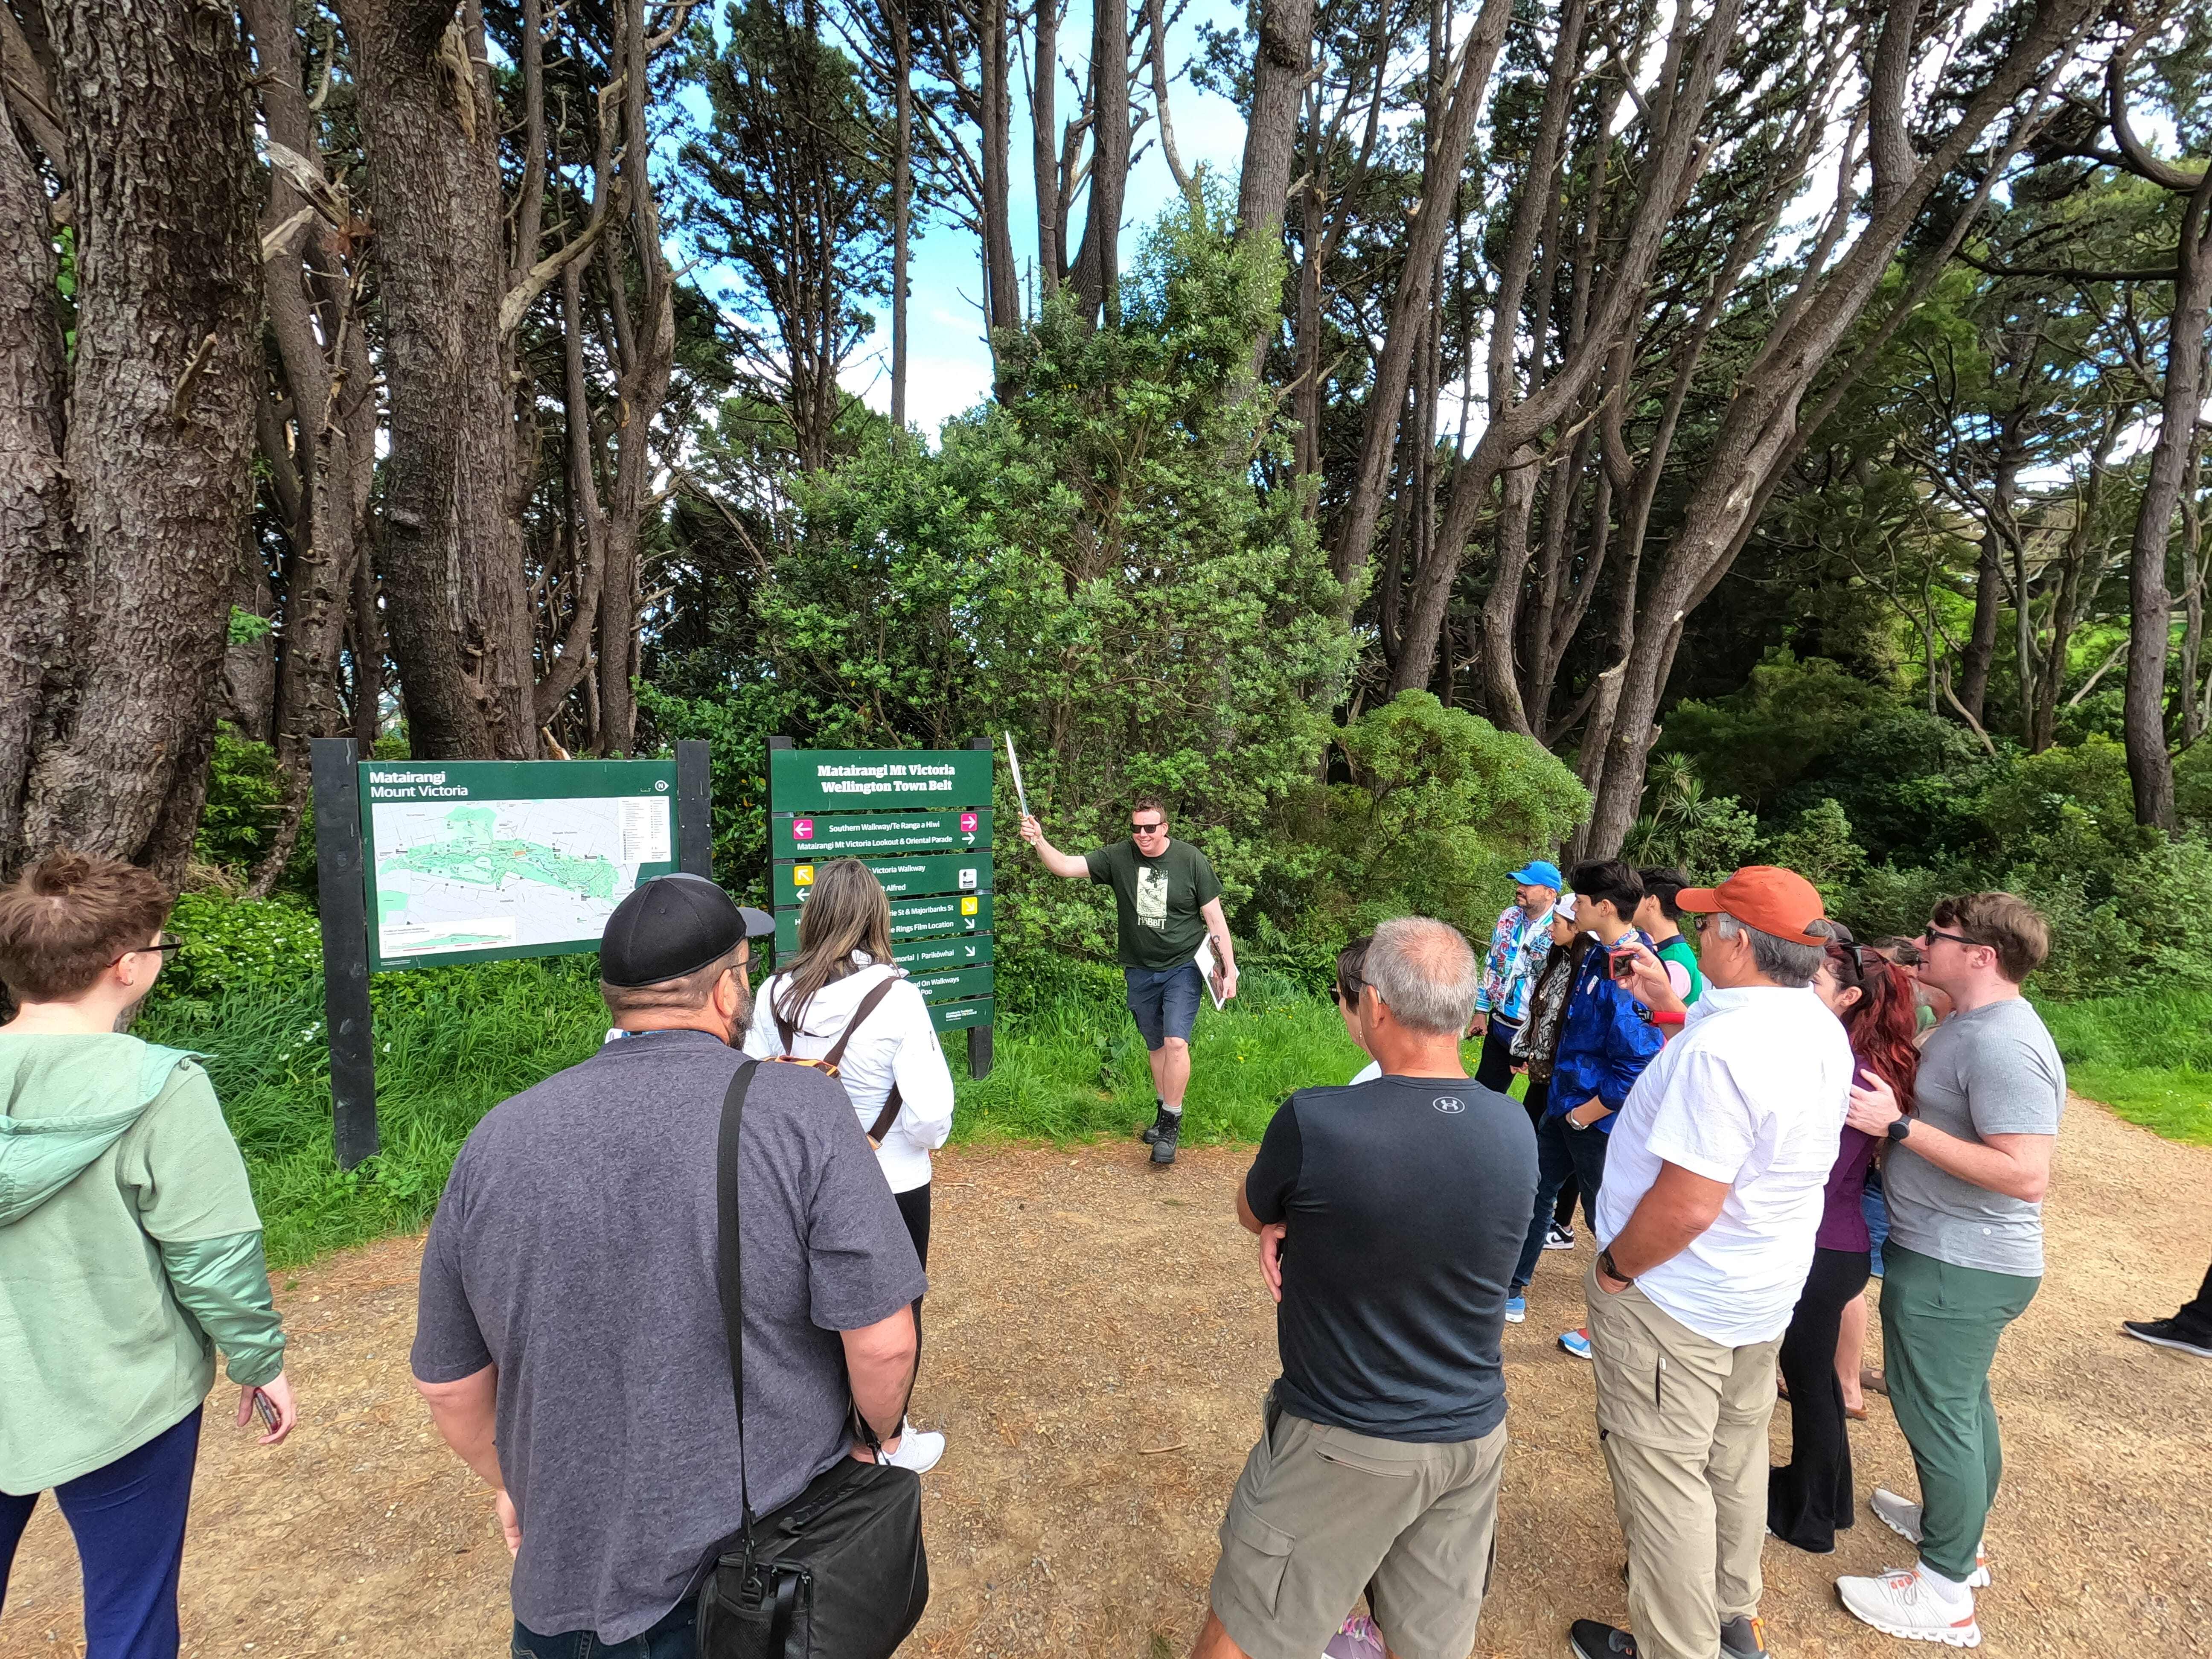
(838, 1572)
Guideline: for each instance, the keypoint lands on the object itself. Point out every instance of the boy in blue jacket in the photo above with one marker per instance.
(1606, 1040)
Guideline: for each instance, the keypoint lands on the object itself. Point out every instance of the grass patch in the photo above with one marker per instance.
(2148, 1057)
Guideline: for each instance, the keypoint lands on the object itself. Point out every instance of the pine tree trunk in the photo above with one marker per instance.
(459, 612)
(152, 100)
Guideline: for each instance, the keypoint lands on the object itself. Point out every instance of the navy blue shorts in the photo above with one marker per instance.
(1163, 1001)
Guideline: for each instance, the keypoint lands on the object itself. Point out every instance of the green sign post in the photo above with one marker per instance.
(434, 862)
(920, 819)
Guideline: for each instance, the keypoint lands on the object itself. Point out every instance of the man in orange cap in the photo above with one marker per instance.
(1705, 1224)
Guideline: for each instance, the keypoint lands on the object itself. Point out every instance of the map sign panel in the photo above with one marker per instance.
(910, 919)
(953, 986)
(810, 780)
(959, 1016)
(951, 872)
(921, 955)
(838, 834)
(477, 860)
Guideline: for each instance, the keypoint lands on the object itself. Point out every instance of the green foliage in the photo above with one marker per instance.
(1439, 806)
(245, 804)
(2148, 1057)
(239, 946)
(1683, 825)
(246, 627)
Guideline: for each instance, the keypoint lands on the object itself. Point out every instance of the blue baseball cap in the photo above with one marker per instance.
(1539, 872)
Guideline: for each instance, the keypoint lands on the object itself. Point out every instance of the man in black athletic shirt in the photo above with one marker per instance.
(1405, 1200)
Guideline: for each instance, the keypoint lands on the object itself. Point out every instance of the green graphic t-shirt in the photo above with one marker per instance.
(1156, 901)
(1677, 951)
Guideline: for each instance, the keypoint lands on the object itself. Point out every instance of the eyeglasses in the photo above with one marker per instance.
(1148, 829)
(167, 946)
(1955, 939)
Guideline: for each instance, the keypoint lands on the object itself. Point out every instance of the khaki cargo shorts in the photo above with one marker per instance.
(1322, 1514)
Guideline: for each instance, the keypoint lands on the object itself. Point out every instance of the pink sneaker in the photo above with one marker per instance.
(1357, 1638)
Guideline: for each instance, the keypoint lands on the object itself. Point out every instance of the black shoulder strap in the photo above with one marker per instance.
(882, 989)
(727, 1263)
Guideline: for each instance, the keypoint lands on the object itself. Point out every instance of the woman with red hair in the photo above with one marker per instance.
(1809, 1499)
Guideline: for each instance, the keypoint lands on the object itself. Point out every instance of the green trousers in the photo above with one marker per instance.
(1940, 1326)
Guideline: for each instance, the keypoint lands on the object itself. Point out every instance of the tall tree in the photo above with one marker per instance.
(125, 483)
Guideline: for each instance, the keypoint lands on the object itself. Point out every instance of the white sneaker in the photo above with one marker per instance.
(1902, 1517)
(1904, 1602)
(918, 1449)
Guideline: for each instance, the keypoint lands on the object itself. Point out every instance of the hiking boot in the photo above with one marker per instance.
(1908, 1602)
(1744, 1637)
(1592, 1640)
(2168, 1333)
(1902, 1517)
(1163, 1139)
(1161, 1118)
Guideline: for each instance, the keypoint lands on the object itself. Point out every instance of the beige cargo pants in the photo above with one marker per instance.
(1683, 1422)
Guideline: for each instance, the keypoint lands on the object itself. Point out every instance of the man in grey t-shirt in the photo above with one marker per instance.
(570, 1338)
(1965, 1182)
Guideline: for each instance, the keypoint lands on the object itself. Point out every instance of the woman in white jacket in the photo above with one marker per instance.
(809, 1009)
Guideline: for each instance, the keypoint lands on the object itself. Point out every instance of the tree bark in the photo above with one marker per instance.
(152, 100)
(901, 196)
(460, 615)
(1280, 59)
(1099, 257)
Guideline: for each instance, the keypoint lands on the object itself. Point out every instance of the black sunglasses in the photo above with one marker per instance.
(1955, 939)
(168, 945)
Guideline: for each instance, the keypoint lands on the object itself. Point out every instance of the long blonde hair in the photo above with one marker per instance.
(847, 911)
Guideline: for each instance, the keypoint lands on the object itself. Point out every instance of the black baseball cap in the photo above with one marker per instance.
(672, 926)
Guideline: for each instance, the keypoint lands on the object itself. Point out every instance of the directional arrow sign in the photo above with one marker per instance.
(959, 1016)
(836, 834)
(946, 872)
(922, 955)
(918, 918)
(959, 984)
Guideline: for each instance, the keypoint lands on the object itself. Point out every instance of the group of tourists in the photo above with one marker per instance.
(1720, 1110)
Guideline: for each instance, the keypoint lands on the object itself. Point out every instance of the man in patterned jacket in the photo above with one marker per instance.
(1517, 945)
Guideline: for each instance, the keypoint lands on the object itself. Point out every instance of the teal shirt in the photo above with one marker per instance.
(129, 1250)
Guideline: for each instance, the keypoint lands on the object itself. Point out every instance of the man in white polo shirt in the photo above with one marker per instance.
(1712, 1194)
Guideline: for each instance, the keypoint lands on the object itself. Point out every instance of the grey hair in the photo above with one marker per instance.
(1782, 960)
(1426, 971)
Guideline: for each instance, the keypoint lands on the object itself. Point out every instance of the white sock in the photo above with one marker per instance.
(1172, 1111)
(1951, 1592)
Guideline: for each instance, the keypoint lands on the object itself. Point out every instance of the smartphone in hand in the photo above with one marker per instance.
(1621, 963)
(268, 1411)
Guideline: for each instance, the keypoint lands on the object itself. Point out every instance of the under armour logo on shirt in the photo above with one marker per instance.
(1449, 1104)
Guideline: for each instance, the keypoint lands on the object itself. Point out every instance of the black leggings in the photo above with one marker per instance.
(1538, 1100)
(913, 1210)
(1809, 1499)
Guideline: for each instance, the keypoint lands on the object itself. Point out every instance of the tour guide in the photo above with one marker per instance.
(1167, 901)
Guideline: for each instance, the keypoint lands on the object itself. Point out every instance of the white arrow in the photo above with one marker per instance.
(968, 839)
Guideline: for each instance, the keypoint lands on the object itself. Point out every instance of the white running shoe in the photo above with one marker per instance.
(1902, 1517)
(1903, 1601)
(918, 1449)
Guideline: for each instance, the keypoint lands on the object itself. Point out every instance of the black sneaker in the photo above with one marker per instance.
(1151, 1132)
(2167, 1333)
(1593, 1640)
(1163, 1139)
(1744, 1639)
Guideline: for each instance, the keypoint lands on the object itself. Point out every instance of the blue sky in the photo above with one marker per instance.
(949, 364)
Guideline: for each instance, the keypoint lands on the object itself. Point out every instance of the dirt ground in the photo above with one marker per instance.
(1098, 1341)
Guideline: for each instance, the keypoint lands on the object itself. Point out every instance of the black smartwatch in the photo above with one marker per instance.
(1899, 1128)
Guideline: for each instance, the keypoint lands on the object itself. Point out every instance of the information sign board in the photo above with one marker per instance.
(961, 1015)
(920, 820)
(944, 872)
(920, 956)
(802, 782)
(879, 835)
(952, 985)
(482, 860)
(910, 919)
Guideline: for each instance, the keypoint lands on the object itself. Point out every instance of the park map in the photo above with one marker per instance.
(501, 874)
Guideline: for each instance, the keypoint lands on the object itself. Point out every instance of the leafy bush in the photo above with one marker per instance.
(248, 946)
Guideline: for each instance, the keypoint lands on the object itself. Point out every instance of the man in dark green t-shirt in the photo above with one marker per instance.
(1167, 904)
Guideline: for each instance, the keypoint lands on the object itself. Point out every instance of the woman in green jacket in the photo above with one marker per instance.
(129, 1250)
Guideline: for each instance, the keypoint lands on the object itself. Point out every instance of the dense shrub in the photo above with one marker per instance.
(240, 945)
